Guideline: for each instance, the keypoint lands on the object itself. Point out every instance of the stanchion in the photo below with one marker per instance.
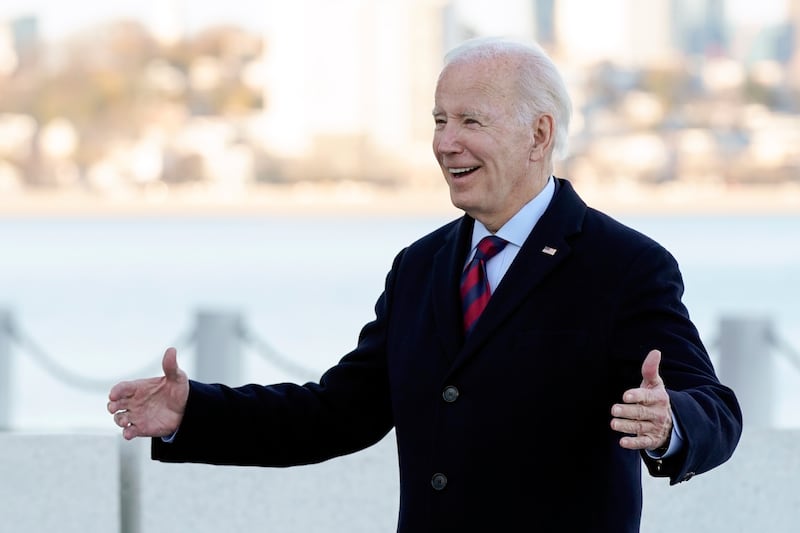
(218, 355)
(746, 365)
(5, 369)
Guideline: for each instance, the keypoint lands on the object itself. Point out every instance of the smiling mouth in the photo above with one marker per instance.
(462, 172)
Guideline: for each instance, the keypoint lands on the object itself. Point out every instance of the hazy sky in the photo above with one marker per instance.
(58, 17)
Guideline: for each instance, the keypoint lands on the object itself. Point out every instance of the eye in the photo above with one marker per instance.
(471, 122)
(439, 121)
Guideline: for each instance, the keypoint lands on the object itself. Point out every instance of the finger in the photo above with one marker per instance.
(130, 432)
(118, 405)
(650, 377)
(634, 411)
(124, 389)
(634, 396)
(635, 428)
(645, 442)
(642, 396)
(122, 419)
(170, 364)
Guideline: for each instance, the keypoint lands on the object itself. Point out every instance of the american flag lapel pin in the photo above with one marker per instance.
(549, 250)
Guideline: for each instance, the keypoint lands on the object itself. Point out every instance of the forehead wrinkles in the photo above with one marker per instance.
(479, 86)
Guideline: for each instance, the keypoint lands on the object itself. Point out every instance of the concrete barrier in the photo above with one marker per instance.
(758, 490)
(64, 483)
(755, 491)
(353, 494)
(103, 484)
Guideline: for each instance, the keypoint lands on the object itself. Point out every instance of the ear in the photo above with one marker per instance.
(543, 137)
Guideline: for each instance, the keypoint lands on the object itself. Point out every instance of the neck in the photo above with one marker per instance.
(516, 203)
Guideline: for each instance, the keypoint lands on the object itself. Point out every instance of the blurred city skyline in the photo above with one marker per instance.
(163, 98)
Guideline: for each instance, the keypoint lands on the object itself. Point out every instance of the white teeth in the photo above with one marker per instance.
(460, 170)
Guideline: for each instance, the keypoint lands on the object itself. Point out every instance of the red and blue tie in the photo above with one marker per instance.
(475, 290)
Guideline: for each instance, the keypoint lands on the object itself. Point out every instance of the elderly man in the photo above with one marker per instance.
(530, 355)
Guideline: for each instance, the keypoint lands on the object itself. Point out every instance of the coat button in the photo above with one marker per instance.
(450, 394)
(439, 481)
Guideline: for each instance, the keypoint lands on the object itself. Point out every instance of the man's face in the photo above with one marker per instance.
(486, 154)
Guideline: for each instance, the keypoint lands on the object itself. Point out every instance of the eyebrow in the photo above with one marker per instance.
(469, 113)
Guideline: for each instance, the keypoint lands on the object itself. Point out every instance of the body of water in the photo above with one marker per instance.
(105, 296)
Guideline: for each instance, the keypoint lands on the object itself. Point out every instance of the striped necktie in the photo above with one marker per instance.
(475, 290)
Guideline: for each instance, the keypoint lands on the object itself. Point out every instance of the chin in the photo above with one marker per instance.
(460, 202)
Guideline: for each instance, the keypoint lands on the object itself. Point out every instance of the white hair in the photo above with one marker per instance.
(541, 87)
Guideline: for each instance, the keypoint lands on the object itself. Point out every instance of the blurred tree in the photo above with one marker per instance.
(101, 80)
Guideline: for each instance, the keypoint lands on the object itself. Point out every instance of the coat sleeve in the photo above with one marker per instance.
(289, 424)
(654, 317)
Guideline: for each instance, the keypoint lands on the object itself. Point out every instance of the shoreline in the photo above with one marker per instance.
(350, 199)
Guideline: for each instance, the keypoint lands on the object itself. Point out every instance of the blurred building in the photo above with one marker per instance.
(24, 39)
(351, 86)
(636, 34)
(794, 24)
(168, 21)
(700, 27)
(632, 33)
(544, 16)
(8, 53)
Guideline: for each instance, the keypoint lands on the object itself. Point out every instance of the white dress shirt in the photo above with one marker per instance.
(515, 231)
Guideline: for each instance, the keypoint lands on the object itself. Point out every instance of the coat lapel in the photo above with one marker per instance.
(544, 249)
(447, 266)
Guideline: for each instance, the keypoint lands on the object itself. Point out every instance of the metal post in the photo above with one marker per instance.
(218, 347)
(5, 369)
(746, 365)
(130, 474)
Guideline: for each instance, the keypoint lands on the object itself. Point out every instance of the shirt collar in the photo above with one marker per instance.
(516, 230)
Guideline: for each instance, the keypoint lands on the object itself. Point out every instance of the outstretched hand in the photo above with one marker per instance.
(645, 415)
(151, 407)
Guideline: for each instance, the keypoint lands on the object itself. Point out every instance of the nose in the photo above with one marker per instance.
(446, 140)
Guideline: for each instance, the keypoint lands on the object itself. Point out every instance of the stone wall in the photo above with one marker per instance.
(101, 483)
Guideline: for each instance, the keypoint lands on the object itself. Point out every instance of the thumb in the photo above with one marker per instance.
(170, 364)
(650, 377)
